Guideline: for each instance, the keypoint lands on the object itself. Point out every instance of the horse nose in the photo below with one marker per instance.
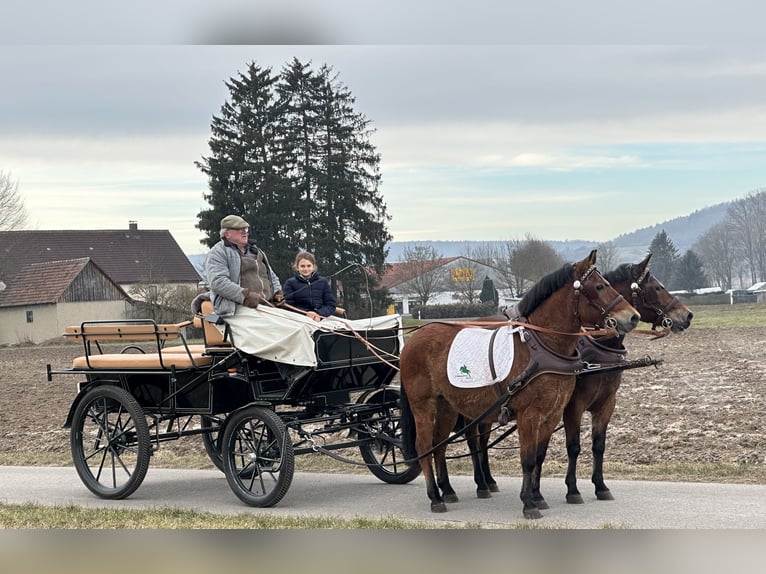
(634, 319)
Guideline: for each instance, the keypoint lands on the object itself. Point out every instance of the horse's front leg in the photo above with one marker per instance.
(599, 426)
(537, 496)
(572, 419)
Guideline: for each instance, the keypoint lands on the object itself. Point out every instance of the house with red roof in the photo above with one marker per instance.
(52, 279)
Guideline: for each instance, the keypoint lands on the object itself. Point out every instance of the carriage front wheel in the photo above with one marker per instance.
(258, 457)
(110, 442)
(381, 448)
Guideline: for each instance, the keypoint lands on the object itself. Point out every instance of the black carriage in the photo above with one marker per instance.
(252, 420)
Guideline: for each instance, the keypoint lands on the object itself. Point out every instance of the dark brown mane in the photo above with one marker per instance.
(544, 288)
(622, 273)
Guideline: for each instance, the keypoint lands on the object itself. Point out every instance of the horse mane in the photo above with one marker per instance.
(622, 273)
(544, 288)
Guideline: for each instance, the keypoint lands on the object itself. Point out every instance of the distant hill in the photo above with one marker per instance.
(683, 231)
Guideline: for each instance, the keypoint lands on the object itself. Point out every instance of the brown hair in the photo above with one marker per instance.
(305, 255)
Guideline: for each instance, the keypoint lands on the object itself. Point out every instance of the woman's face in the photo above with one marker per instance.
(305, 267)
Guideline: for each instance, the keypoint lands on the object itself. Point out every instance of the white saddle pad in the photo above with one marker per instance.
(468, 363)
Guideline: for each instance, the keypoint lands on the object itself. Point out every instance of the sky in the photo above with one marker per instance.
(494, 120)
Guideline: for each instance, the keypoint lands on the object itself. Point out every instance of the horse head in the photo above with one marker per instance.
(576, 296)
(650, 297)
(597, 303)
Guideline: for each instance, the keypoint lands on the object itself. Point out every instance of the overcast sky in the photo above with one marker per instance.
(493, 119)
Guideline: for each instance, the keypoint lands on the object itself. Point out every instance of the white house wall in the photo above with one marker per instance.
(50, 321)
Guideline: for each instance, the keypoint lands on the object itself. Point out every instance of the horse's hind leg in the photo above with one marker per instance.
(446, 418)
(478, 439)
(417, 438)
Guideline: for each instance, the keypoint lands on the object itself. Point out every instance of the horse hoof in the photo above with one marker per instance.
(541, 504)
(532, 513)
(493, 487)
(483, 493)
(575, 499)
(450, 498)
(604, 495)
(438, 507)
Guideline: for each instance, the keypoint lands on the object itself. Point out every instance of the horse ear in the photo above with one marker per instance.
(641, 267)
(592, 257)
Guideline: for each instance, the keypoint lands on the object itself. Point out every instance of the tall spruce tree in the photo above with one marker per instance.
(292, 156)
(350, 216)
(689, 273)
(664, 259)
(245, 173)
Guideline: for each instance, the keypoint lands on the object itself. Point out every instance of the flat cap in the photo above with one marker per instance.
(233, 222)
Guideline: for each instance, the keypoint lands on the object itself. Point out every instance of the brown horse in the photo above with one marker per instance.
(596, 392)
(539, 385)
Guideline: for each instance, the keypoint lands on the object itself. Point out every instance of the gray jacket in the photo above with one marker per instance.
(222, 271)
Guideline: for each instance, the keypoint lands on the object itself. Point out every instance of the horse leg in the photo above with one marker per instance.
(445, 419)
(537, 496)
(529, 458)
(572, 420)
(478, 438)
(600, 422)
(417, 438)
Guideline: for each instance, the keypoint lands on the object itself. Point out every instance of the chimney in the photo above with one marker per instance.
(132, 225)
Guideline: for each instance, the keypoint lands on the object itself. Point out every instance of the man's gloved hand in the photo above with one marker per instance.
(279, 298)
(251, 299)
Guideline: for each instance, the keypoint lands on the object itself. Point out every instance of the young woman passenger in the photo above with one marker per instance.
(308, 290)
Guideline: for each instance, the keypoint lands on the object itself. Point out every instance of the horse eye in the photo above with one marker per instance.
(600, 287)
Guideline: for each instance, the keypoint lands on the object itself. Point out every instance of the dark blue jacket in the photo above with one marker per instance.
(312, 294)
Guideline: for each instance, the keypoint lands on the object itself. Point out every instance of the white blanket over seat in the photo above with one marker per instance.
(468, 363)
(286, 337)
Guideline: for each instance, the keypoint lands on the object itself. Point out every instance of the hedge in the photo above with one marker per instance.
(454, 311)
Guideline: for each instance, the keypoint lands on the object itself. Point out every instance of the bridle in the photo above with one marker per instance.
(641, 301)
(588, 290)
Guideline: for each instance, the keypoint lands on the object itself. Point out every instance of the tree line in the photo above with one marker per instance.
(736, 247)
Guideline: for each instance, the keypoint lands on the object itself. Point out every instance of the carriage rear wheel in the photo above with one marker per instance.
(382, 449)
(110, 442)
(258, 457)
(212, 440)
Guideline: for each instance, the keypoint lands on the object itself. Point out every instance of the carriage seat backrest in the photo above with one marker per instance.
(213, 337)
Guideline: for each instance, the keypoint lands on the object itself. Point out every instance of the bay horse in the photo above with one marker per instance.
(596, 392)
(539, 385)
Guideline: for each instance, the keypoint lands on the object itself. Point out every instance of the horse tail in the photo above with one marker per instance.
(407, 422)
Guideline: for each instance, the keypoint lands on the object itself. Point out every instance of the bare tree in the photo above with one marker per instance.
(745, 219)
(13, 215)
(607, 256)
(717, 254)
(420, 273)
(530, 259)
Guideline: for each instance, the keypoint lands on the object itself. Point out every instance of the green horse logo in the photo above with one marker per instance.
(464, 370)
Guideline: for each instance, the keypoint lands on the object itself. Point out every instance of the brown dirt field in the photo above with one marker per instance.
(705, 404)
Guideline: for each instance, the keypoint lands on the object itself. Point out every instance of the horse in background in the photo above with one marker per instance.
(537, 389)
(596, 392)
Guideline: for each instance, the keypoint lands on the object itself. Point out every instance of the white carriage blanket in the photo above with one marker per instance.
(286, 337)
(468, 360)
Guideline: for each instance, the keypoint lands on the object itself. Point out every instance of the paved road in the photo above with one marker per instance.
(639, 505)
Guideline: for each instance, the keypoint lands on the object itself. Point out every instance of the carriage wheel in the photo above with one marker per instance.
(212, 440)
(110, 442)
(258, 457)
(382, 450)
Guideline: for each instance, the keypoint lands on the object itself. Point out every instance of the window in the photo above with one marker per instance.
(30, 317)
